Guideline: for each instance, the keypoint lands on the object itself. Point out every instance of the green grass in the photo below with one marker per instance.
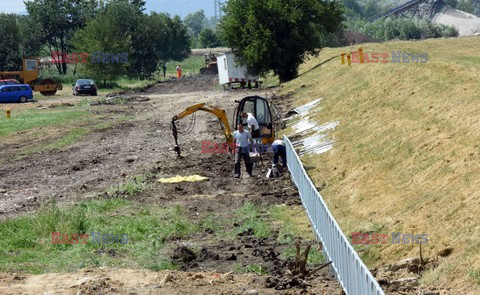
(70, 138)
(250, 268)
(249, 216)
(28, 119)
(49, 129)
(215, 223)
(314, 256)
(475, 275)
(26, 242)
(190, 66)
(270, 80)
(130, 187)
(294, 224)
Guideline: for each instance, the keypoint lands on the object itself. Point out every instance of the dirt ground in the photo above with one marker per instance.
(128, 281)
(144, 145)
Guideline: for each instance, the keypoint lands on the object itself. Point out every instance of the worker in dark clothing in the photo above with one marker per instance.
(279, 150)
(164, 67)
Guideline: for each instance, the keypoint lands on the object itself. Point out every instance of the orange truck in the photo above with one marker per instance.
(29, 75)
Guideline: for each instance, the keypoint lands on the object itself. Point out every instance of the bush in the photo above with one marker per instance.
(403, 29)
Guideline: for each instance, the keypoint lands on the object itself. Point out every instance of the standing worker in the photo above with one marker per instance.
(253, 127)
(179, 71)
(243, 140)
(164, 67)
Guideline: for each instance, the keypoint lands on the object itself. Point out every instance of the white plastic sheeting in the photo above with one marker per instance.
(314, 138)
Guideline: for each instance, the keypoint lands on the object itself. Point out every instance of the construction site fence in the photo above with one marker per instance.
(347, 266)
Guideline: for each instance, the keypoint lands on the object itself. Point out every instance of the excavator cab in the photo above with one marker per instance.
(259, 107)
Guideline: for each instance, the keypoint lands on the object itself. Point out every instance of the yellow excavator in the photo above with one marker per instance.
(29, 75)
(256, 105)
(221, 115)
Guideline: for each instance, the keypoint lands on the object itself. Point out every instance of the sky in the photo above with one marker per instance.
(173, 7)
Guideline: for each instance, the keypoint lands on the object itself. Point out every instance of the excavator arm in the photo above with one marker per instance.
(219, 113)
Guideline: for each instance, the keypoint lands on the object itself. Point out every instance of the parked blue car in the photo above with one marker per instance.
(15, 93)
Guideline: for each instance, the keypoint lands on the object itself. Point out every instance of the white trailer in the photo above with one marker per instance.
(229, 73)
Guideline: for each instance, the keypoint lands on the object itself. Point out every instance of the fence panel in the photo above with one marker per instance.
(347, 266)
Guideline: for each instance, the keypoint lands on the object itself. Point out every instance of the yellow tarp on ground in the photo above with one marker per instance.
(177, 179)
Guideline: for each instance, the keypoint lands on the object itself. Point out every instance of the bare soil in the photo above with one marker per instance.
(144, 145)
(131, 281)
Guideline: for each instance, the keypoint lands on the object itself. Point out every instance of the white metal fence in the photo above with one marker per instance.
(347, 266)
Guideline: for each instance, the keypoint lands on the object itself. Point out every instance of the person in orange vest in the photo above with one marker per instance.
(179, 71)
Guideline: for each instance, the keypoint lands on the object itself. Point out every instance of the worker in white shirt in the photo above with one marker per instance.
(252, 124)
(243, 140)
(253, 128)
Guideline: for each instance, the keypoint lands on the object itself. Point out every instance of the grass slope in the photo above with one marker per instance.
(407, 150)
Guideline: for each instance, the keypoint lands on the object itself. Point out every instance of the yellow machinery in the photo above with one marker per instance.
(211, 63)
(256, 105)
(221, 115)
(29, 75)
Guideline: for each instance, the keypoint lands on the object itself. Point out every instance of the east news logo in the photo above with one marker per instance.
(395, 238)
(397, 57)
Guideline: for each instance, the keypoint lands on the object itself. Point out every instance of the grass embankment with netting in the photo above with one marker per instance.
(407, 151)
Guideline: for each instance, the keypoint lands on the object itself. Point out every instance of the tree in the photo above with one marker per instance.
(58, 20)
(465, 5)
(102, 35)
(178, 47)
(196, 22)
(353, 10)
(452, 3)
(30, 43)
(371, 9)
(159, 39)
(209, 39)
(405, 29)
(279, 34)
(9, 46)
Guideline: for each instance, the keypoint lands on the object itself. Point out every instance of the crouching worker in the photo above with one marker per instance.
(279, 150)
(243, 141)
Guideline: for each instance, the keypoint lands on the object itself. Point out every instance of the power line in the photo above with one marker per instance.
(218, 9)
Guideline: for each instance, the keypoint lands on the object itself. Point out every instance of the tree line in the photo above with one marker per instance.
(359, 13)
(116, 26)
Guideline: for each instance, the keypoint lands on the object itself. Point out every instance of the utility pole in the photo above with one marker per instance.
(218, 10)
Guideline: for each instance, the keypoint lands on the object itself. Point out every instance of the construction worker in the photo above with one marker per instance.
(279, 150)
(278, 147)
(164, 68)
(242, 140)
(179, 71)
(253, 128)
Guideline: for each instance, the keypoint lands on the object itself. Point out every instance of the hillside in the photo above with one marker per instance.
(407, 151)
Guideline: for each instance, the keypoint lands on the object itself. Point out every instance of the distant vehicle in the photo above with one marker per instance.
(229, 73)
(9, 82)
(16, 93)
(84, 86)
(29, 75)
